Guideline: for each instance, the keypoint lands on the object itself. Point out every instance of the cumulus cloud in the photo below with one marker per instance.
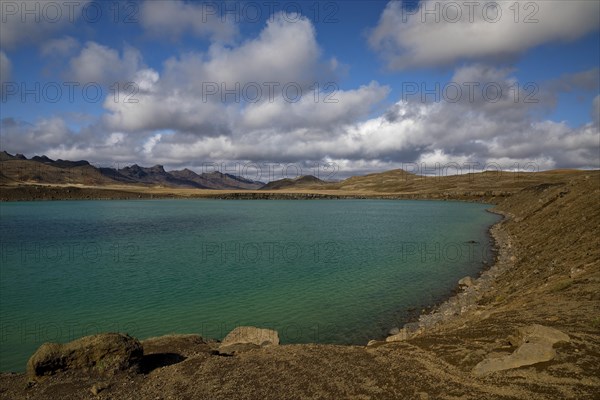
(439, 33)
(420, 133)
(104, 65)
(175, 18)
(36, 21)
(315, 110)
(266, 58)
(262, 83)
(45, 134)
(54, 138)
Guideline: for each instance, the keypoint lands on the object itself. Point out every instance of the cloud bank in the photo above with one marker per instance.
(439, 33)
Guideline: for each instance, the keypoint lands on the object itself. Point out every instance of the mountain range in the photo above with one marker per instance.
(42, 169)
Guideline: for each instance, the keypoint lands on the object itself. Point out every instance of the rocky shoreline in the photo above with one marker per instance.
(463, 304)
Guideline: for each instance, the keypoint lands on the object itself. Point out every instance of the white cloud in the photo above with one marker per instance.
(59, 47)
(158, 106)
(408, 40)
(149, 145)
(46, 133)
(179, 97)
(174, 18)
(35, 21)
(104, 65)
(266, 58)
(315, 109)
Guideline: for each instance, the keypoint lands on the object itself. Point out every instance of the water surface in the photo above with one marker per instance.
(328, 271)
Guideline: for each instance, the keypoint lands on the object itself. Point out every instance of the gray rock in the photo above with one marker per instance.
(399, 337)
(536, 346)
(394, 331)
(540, 332)
(252, 335)
(467, 281)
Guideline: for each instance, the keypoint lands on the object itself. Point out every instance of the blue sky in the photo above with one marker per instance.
(415, 84)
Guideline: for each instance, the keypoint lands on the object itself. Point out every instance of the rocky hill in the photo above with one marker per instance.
(217, 180)
(302, 182)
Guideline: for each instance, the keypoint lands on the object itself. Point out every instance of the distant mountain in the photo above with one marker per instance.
(155, 176)
(42, 169)
(16, 169)
(42, 159)
(58, 163)
(217, 180)
(4, 156)
(69, 164)
(302, 181)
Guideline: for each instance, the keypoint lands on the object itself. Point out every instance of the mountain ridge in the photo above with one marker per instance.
(42, 169)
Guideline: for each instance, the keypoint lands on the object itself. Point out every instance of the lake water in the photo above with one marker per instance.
(327, 271)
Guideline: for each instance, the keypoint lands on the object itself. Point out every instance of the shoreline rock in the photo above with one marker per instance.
(244, 338)
(105, 353)
(536, 344)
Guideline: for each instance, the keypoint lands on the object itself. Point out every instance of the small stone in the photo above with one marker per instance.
(576, 272)
(467, 281)
(394, 331)
(97, 388)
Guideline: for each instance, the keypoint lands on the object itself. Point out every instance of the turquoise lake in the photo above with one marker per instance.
(326, 271)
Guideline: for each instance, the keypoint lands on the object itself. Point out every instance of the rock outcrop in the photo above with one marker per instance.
(244, 338)
(536, 346)
(104, 353)
(399, 337)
